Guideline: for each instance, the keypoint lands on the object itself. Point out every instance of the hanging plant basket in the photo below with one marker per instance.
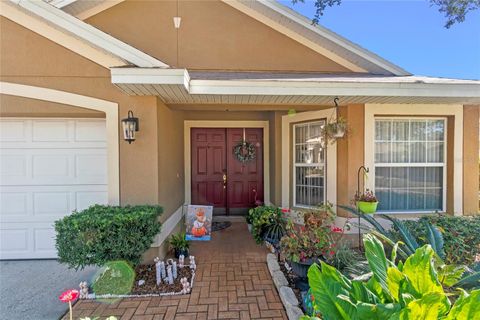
(367, 207)
(336, 130)
(245, 151)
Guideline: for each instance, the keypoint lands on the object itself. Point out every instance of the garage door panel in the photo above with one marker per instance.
(51, 130)
(48, 168)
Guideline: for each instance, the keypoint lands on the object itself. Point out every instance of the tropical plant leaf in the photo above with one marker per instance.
(466, 307)
(360, 293)
(377, 311)
(404, 252)
(394, 280)
(435, 238)
(449, 275)
(327, 283)
(375, 254)
(420, 271)
(405, 233)
(431, 306)
(470, 281)
(367, 218)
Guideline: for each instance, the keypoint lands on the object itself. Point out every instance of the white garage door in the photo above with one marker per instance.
(48, 168)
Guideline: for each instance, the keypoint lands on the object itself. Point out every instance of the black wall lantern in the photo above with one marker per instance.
(130, 125)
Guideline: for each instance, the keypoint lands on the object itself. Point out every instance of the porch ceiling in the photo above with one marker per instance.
(179, 86)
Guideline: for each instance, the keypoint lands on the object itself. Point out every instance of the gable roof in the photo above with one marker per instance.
(76, 35)
(283, 20)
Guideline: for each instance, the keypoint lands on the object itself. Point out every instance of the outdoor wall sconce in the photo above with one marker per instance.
(130, 125)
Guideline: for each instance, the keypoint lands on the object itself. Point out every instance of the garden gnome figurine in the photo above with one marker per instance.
(174, 269)
(83, 290)
(193, 266)
(169, 274)
(185, 285)
(181, 261)
(158, 270)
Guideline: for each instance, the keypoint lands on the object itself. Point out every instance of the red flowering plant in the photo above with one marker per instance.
(69, 296)
(366, 196)
(315, 239)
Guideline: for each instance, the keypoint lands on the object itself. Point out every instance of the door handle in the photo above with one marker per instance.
(224, 181)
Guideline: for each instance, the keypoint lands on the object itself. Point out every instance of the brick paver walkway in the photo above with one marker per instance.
(232, 282)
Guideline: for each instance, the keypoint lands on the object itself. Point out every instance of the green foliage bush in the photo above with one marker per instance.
(261, 218)
(101, 234)
(461, 236)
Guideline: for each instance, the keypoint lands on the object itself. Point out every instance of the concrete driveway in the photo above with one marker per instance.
(29, 289)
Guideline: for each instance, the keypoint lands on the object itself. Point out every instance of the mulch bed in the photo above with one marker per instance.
(291, 277)
(148, 273)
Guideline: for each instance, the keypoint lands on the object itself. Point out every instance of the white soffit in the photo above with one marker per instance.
(180, 86)
(317, 38)
(72, 33)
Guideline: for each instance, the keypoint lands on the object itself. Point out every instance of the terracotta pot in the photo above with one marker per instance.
(367, 207)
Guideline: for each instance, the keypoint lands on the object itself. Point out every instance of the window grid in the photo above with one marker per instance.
(412, 164)
(320, 166)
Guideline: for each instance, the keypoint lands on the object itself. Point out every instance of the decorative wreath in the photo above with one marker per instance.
(244, 151)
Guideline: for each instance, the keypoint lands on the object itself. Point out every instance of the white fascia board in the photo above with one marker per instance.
(150, 76)
(32, 22)
(217, 87)
(61, 3)
(102, 6)
(90, 34)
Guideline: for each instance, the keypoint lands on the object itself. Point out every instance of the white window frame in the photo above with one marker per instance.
(416, 164)
(455, 111)
(303, 165)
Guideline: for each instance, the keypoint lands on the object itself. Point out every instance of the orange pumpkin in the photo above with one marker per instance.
(199, 232)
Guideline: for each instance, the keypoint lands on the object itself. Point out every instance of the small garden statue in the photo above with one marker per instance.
(158, 270)
(169, 274)
(174, 269)
(163, 273)
(185, 285)
(193, 266)
(83, 290)
(181, 261)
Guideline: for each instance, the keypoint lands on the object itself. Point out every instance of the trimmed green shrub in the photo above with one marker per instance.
(101, 234)
(460, 234)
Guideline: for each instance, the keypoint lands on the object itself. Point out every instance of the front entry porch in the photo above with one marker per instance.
(232, 282)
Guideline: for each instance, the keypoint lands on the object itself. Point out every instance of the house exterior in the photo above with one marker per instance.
(233, 70)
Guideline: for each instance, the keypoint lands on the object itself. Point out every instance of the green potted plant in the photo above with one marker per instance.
(366, 201)
(262, 217)
(314, 240)
(179, 244)
(275, 229)
(335, 130)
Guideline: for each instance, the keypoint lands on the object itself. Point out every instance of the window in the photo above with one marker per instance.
(309, 164)
(410, 164)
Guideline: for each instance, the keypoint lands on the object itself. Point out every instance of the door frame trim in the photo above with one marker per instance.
(189, 124)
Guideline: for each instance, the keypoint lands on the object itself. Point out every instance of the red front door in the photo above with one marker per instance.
(218, 177)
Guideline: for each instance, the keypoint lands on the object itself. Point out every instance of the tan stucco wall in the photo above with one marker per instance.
(470, 159)
(212, 35)
(13, 106)
(350, 154)
(28, 58)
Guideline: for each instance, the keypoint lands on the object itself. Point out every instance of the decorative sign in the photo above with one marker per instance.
(199, 222)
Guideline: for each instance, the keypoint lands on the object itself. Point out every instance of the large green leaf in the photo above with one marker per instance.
(407, 236)
(394, 280)
(377, 311)
(361, 293)
(435, 238)
(466, 307)
(377, 260)
(430, 307)
(420, 271)
(403, 252)
(327, 283)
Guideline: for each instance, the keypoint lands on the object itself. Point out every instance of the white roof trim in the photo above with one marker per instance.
(368, 86)
(72, 28)
(284, 25)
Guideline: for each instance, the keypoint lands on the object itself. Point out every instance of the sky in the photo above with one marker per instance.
(409, 33)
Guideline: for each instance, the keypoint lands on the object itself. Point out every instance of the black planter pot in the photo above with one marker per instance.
(301, 268)
(179, 252)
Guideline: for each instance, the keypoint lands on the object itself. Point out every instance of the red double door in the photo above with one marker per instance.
(218, 177)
